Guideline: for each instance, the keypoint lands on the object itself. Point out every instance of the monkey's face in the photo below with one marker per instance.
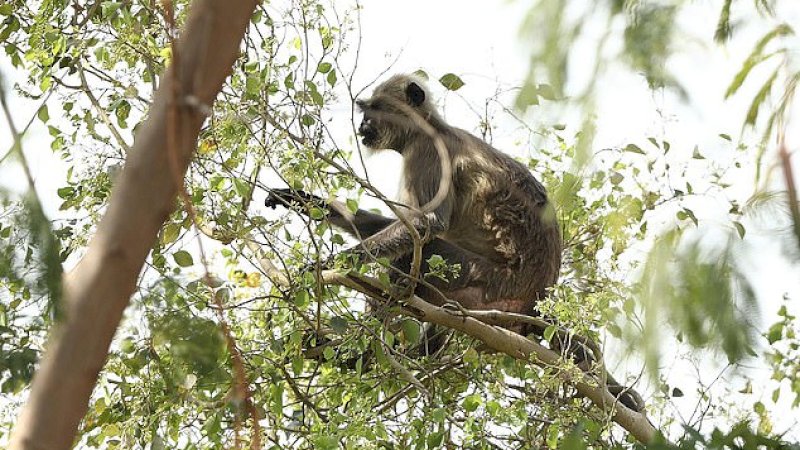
(369, 132)
(387, 121)
(379, 129)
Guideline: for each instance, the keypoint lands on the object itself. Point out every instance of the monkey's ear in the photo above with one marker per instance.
(361, 104)
(415, 94)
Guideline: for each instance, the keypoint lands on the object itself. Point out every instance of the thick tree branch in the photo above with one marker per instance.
(99, 288)
(496, 337)
(525, 349)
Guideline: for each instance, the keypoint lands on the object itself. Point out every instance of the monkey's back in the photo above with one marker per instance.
(506, 217)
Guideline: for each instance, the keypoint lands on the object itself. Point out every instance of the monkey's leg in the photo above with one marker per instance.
(462, 285)
(462, 281)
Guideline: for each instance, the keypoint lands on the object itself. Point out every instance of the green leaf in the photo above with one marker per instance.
(723, 32)
(183, 258)
(633, 148)
(759, 98)
(422, 74)
(307, 120)
(43, 114)
(339, 324)
(411, 330)
(471, 402)
(352, 205)
(552, 436)
(691, 215)
(324, 67)
(66, 192)
(756, 57)
(775, 333)
(110, 8)
(326, 442)
(574, 440)
(242, 187)
(331, 78)
(170, 234)
(739, 229)
(122, 111)
(549, 332)
(528, 96)
(316, 213)
(451, 82)
(747, 67)
(471, 356)
(435, 440)
(252, 85)
(301, 298)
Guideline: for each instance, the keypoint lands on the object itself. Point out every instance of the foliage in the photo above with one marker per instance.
(322, 364)
(649, 34)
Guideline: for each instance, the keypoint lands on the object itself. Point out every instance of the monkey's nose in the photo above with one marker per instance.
(365, 128)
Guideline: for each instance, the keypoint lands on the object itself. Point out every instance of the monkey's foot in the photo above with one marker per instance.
(628, 397)
(454, 308)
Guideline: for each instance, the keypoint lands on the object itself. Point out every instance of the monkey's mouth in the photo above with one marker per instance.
(368, 136)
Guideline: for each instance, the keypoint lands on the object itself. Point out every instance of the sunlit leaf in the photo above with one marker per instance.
(759, 98)
(183, 258)
(451, 82)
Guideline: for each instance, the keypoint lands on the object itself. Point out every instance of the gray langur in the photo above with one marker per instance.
(477, 208)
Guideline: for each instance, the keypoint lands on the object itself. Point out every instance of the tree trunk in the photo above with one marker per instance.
(97, 291)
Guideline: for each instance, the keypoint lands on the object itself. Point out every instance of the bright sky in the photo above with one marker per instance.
(480, 41)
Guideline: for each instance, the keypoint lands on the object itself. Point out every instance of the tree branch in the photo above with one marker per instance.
(495, 337)
(525, 349)
(99, 288)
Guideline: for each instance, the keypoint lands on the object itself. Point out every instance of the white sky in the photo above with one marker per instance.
(480, 42)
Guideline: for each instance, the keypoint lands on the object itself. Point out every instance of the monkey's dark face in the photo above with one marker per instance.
(386, 123)
(380, 127)
(369, 131)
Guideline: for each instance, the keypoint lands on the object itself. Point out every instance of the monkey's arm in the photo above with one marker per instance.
(361, 224)
(396, 240)
(382, 236)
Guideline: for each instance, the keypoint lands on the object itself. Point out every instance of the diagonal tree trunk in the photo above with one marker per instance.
(97, 291)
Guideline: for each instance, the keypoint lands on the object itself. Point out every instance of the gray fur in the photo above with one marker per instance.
(496, 215)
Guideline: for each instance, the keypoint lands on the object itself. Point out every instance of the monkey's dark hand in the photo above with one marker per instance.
(291, 198)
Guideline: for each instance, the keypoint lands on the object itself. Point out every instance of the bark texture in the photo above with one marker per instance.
(97, 291)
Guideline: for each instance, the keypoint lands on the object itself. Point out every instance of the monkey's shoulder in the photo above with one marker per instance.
(487, 172)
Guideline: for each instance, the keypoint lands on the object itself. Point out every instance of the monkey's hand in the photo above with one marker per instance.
(291, 198)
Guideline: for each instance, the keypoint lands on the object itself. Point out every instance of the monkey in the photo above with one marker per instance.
(479, 209)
